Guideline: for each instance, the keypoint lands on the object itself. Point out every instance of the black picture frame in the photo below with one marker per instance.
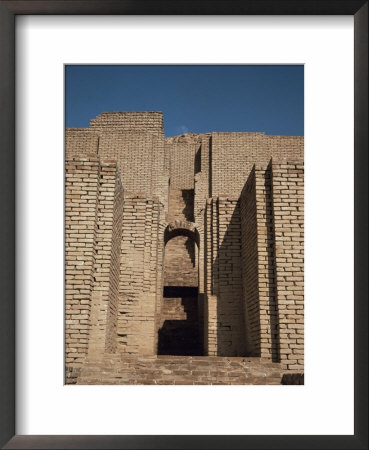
(8, 11)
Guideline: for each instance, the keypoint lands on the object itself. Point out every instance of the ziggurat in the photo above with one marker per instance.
(184, 255)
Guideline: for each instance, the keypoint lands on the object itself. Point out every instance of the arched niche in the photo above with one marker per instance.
(179, 328)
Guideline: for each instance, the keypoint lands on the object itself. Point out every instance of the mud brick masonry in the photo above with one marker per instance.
(184, 255)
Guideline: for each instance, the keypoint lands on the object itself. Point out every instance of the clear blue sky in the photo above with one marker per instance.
(196, 99)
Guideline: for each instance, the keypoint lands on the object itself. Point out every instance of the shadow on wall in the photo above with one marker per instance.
(190, 247)
(188, 199)
(227, 281)
(273, 305)
(233, 332)
(180, 266)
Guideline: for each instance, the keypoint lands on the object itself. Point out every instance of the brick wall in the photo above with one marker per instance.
(258, 255)
(272, 253)
(182, 164)
(210, 301)
(224, 300)
(288, 208)
(140, 159)
(228, 281)
(104, 299)
(81, 192)
(79, 141)
(135, 141)
(234, 154)
(138, 276)
(181, 205)
(180, 262)
(145, 121)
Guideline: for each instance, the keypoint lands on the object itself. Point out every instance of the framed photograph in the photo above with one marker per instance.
(197, 261)
(184, 224)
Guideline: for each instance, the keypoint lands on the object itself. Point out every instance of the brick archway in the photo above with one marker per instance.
(181, 228)
(179, 329)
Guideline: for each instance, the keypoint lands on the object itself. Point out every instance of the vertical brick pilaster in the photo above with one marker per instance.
(138, 284)
(81, 192)
(103, 318)
(288, 207)
(261, 315)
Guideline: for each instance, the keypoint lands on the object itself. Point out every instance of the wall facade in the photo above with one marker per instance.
(190, 244)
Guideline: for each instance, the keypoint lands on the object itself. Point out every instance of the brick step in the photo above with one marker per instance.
(168, 369)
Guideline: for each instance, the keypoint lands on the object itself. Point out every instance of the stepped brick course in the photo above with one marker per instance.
(180, 370)
(184, 255)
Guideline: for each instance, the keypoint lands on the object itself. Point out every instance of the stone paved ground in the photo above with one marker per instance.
(180, 370)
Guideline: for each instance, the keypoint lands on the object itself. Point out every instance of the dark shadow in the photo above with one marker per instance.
(250, 272)
(210, 166)
(198, 160)
(190, 247)
(181, 336)
(201, 306)
(227, 286)
(273, 304)
(180, 291)
(188, 210)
